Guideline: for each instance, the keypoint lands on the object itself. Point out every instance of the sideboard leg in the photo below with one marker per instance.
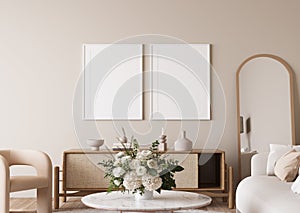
(65, 196)
(56, 187)
(225, 199)
(230, 188)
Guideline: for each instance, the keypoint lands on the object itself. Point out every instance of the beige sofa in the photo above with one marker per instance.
(260, 193)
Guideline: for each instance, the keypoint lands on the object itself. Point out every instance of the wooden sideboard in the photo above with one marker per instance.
(205, 171)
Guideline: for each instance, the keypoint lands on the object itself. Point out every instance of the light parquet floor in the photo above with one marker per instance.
(29, 205)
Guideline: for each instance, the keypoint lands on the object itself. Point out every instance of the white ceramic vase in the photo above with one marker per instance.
(183, 144)
(148, 195)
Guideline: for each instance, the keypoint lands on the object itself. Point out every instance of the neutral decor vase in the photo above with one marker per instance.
(183, 144)
(147, 195)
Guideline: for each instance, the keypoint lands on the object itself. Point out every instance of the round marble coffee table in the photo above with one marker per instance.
(166, 201)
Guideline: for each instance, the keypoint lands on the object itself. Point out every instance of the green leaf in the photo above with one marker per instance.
(152, 172)
(177, 169)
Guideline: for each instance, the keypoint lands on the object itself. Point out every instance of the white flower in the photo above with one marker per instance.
(132, 185)
(118, 172)
(145, 154)
(152, 164)
(125, 159)
(134, 164)
(120, 154)
(151, 183)
(141, 170)
(131, 176)
(131, 181)
(117, 182)
(117, 162)
(139, 156)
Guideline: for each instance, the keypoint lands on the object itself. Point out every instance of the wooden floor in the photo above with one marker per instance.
(29, 205)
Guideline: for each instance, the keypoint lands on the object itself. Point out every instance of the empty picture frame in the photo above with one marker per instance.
(180, 81)
(113, 83)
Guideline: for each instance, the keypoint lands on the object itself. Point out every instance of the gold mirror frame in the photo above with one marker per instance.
(290, 73)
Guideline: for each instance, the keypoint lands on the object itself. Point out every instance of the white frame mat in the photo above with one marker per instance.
(113, 82)
(180, 81)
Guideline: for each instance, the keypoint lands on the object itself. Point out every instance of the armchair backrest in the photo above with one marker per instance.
(37, 159)
(5, 154)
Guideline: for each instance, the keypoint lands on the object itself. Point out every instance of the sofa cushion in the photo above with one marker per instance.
(266, 194)
(286, 168)
(276, 151)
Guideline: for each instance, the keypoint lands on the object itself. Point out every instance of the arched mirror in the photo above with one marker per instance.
(265, 112)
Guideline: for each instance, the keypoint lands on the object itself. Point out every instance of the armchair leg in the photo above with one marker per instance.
(4, 185)
(44, 200)
(4, 202)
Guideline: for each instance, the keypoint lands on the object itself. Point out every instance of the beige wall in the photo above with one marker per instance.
(40, 56)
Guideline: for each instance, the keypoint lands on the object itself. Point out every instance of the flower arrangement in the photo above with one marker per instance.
(136, 170)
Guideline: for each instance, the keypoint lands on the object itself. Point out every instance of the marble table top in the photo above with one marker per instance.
(166, 201)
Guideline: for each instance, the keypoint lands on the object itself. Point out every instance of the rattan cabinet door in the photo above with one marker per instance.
(188, 178)
(83, 172)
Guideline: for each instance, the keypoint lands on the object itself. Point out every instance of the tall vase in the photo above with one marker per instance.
(183, 144)
(147, 195)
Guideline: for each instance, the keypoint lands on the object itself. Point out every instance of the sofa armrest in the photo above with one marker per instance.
(259, 164)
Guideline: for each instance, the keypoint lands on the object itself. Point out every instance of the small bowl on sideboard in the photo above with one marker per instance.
(95, 143)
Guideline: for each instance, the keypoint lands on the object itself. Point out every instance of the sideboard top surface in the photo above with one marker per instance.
(194, 151)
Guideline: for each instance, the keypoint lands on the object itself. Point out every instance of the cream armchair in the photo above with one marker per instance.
(42, 181)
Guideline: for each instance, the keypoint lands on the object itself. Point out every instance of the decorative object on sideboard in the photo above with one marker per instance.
(183, 144)
(122, 142)
(162, 141)
(123, 139)
(95, 143)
